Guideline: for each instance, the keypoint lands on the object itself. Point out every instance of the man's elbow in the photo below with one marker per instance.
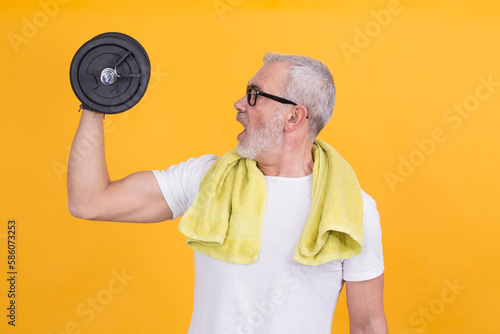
(374, 325)
(379, 325)
(80, 210)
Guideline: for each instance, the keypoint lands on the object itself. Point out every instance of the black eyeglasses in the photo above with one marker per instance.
(252, 94)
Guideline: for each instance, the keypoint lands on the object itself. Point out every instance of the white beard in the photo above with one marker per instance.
(266, 136)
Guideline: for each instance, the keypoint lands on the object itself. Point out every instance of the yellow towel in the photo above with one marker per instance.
(225, 220)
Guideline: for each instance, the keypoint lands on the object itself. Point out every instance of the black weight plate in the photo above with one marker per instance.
(126, 37)
(90, 69)
(105, 51)
(119, 96)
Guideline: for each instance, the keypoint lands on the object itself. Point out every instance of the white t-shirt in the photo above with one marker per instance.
(274, 294)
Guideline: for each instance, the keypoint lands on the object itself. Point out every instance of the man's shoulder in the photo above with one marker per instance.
(367, 200)
(198, 167)
(201, 162)
(188, 169)
(206, 158)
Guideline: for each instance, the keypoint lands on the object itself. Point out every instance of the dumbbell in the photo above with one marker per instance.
(110, 73)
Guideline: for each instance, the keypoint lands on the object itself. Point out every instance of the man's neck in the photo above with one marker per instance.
(292, 160)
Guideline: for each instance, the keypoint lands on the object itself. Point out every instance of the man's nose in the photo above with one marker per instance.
(241, 104)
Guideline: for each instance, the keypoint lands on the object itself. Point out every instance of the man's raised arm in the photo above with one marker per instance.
(91, 195)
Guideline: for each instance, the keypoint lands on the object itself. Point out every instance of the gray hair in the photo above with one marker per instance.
(310, 84)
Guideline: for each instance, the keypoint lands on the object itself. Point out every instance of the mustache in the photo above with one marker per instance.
(240, 117)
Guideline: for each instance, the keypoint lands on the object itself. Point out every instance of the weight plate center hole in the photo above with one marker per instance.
(108, 76)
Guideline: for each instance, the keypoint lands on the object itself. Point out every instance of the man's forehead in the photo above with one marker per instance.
(271, 78)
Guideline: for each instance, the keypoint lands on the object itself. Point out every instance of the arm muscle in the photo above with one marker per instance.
(365, 305)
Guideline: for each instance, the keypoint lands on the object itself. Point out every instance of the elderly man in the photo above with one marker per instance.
(278, 225)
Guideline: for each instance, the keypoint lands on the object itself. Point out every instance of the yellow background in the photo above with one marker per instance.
(395, 88)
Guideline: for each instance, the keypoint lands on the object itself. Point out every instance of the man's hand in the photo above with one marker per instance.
(365, 305)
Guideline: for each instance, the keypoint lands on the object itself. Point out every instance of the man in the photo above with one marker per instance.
(288, 102)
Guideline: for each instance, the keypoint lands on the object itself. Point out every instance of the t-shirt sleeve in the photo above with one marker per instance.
(180, 183)
(370, 262)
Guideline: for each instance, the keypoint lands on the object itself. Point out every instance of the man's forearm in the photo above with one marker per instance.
(87, 170)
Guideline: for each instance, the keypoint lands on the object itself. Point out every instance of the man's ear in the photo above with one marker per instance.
(295, 118)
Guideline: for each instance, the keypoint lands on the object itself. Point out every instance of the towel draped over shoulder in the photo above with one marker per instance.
(225, 220)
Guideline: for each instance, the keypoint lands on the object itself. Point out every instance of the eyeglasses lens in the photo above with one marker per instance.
(251, 96)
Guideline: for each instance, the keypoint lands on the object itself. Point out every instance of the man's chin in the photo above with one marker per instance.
(243, 152)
